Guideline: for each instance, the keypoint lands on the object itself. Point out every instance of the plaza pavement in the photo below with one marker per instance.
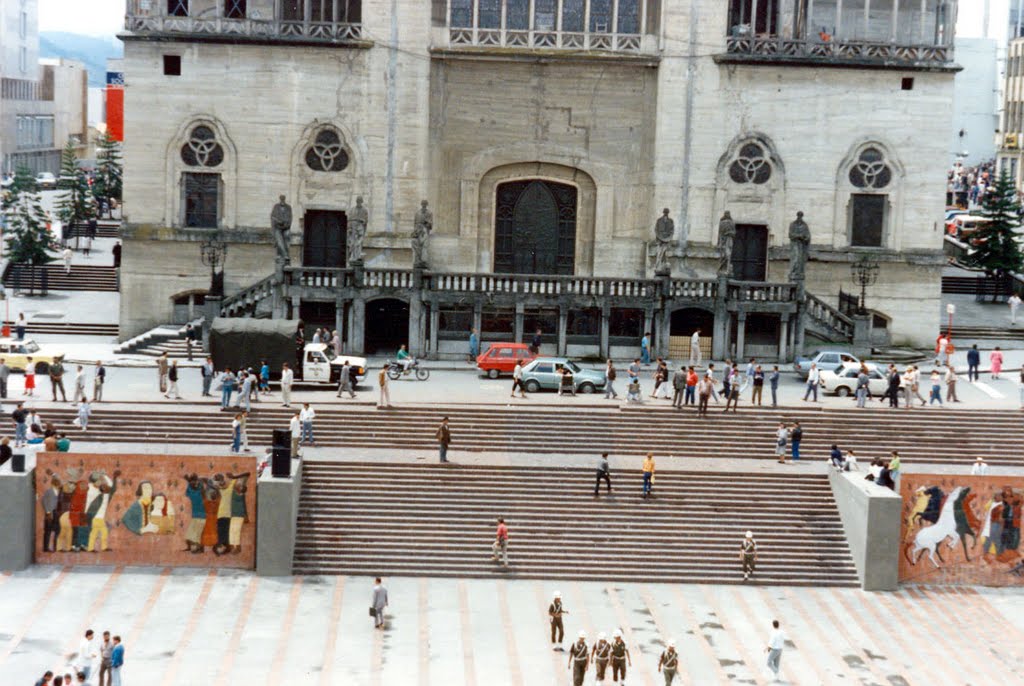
(187, 626)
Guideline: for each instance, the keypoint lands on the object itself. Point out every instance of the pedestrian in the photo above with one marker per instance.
(172, 383)
(67, 254)
(84, 410)
(444, 438)
(474, 345)
(382, 381)
(106, 651)
(295, 429)
(916, 385)
(264, 377)
(190, 339)
(609, 384)
(306, 416)
(87, 654)
(579, 659)
(227, 387)
(892, 391)
(936, 381)
(30, 376)
(378, 602)
(80, 395)
(995, 360)
(748, 555)
(775, 644)
(1014, 302)
(813, 376)
(566, 382)
(695, 348)
(732, 392)
(669, 663)
(57, 378)
(758, 385)
(620, 657)
(345, 380)
(661, 387)
(535, 343)
(980, 467)
(499, 549)
(894, 467)
(645, 348)
(973, 362)
(287, 377)
(942, 350)
(162, 365)
(47, 678)
(796, 434)
(600, 655)
(773, 383)
(678, 387)
(86, 245)
(336, 343)
(781, 437)
(19, 415)
(690, 394)
(648, 473)
(634, 370)
(19, 326)
(555, 612)
(517, 379)
(704, 389)
(748, 374)
(116, 253)
(206, 371)
(951, 380)
(835, 456)
(236, 433)
(5, 374)
(603, 472)
(245, 390)
(863, 381)
(633, 394)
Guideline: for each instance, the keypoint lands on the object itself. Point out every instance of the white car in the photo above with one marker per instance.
(46, 180)
(843, 381)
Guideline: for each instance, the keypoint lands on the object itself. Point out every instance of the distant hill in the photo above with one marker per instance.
(93, 51)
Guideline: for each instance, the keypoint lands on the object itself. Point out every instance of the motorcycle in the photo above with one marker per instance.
(395, 371)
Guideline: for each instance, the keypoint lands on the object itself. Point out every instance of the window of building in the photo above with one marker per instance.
(23, 26)
(234, 9)
(605, 16)
(870, 171)
(751, 164)
(322, 11)
(177, 8)
(748, 17)
(172, 65)
(202, 148)
(23, 60)
(497, 323)
(867, 219)
(545, 319)
(202, 200)
(454, 321)
(327, 153)
(626, 323)
(489, 14)
(585, 322)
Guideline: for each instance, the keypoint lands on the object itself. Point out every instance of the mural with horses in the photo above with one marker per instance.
(962, 529)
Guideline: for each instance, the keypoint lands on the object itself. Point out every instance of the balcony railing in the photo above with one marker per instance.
(539, 39)
(775, 47)
(142, 21)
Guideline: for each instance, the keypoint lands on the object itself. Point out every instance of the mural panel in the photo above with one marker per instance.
(168, 510)
(962, 529)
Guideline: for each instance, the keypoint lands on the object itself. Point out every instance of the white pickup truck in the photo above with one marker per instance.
(321, 365)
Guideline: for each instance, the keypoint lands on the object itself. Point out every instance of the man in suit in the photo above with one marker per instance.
(678, 387)
(444, 438)
(378, 603)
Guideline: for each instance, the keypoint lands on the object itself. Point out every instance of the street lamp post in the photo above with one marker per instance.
(950, 310)
(865, 273)
(213, 252)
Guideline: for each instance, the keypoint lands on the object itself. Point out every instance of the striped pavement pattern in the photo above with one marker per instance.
(226, 627)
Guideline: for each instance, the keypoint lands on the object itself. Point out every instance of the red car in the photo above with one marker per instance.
(501, 358)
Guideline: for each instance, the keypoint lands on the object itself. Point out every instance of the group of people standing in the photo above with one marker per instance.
(107, 653)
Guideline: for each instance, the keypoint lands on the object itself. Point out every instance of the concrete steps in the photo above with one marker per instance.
(41, 326)
(990, 333)
(81, 278)
(921, 435)
(439, 521)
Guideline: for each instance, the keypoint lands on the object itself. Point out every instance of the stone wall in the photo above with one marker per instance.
(960, 529)
(149, 515)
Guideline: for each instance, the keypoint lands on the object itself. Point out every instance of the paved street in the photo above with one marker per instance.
(190, 626)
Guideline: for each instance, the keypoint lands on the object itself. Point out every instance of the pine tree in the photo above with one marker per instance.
(28, 238)
(75, 204)
(107, 184)
(995, 246)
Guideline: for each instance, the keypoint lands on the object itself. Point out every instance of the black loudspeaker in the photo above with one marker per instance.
(281, 462)
(282, 438)
(18, 463)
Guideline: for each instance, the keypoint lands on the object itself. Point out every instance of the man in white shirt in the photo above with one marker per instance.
(287, 377)
(775, 644)
(67, 254)
(306, 416)
(979, 468)
(1014, 302)
(295, 427)
(813, 377)
(87, 654)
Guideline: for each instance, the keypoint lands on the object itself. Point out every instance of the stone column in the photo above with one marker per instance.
(861, 335)
(415, 326)
(518, 327)
(435, 320)
(356, 335)
(783, 337)
(800, 323)
(211, 310)
(741, 332)
(606, 315)
(296, 307)
(664, 331)
(478, 322)
(720, 342)
(339, 319)
(563, 324)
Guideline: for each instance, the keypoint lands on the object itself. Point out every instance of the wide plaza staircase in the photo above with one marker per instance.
(939, 435)
(390, 519)
(81, 278)
(970, 334)
(42, 326)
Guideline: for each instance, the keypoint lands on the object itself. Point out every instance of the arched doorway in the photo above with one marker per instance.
(387, 326)
(682, 324)
(535, 227)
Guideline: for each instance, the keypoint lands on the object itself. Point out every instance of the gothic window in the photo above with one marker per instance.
(751, 165)
(870, 171)
(867, 219)
(202, 149)
(327, 154)
(177, 8)
(202, 200)
(234, 9)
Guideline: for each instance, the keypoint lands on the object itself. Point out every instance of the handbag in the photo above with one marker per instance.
(373, 611)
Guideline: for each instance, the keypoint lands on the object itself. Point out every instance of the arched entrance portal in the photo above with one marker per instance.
(387, 326)
(682, 324)
(535, 227)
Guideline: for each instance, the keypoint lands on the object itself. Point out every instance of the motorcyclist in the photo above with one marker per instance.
(404, 358)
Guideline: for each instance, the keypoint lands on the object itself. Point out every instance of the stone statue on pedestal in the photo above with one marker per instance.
(726, 235)
(799, 243)
(664, 232)
(423, 224)
(281, 223)
(357, 220)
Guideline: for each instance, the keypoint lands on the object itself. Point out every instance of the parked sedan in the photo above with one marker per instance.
(46, 181)
(545, 373)
(843, 381)
(825, 359)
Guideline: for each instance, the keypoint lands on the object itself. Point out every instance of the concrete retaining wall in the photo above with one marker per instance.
(871, 520)
(276, 521)
(17, 511)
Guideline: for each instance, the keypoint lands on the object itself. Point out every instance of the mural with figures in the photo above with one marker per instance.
(961, 529)
(195, 511)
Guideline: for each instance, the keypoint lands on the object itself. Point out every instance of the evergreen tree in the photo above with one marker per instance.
(75, 204)
(28, 238)
(107, 184)
(995, 246)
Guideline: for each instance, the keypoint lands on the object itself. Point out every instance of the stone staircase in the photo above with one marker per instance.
(81, 278)
(157, 341)
(373, 518)
(969, 334)
(253, 301)
(938, 435)
(41, 326)
(825, 322)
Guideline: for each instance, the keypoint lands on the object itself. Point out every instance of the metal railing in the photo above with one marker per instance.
(779, 47)
(138, 20)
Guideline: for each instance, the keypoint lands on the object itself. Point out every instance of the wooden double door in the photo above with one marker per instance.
(750, 252)
(324, 235)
